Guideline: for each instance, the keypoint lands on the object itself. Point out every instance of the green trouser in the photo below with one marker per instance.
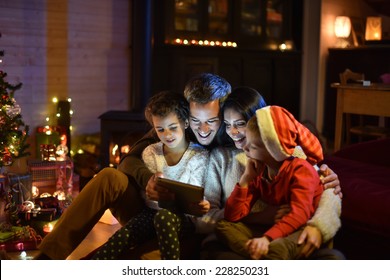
(235, 235)
(109, 189)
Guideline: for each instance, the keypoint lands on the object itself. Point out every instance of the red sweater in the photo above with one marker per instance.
(297, 184)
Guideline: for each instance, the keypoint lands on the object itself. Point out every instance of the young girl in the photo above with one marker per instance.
(273, 174)
(176, 158)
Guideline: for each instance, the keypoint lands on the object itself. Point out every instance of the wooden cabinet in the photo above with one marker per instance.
(254, 24)
(276, 75)
(257, 27)
(373, 61)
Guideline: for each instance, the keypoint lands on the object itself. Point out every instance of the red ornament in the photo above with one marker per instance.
(7, 158)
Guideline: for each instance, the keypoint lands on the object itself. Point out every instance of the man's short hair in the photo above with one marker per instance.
(207, 87)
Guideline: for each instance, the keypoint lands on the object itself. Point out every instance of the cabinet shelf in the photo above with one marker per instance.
(258, 23)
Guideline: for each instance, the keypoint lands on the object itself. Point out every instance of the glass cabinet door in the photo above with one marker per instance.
(262, 18)
(186, 15)
(251, 17)
(257, 24)
(274, 19)
(218, 22)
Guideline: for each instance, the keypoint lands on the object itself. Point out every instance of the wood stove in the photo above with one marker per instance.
(120, 128)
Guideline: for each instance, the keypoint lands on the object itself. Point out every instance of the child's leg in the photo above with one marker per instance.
(235, 235)
(138, 230)
(285, 248)
(169, 227)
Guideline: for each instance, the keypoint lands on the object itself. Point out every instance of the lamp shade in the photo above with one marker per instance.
(342, 27)
(374, 28)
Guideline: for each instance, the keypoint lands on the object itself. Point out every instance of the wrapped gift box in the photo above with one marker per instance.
(20, 186)
(3, 201)
(5, 236)
(20, 245)
(25, 238)
(48, 214)
(52, 176)
(15, 189)
(47, 202)
(10, 233)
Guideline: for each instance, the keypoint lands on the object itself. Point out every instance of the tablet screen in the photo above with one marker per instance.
(185, 194)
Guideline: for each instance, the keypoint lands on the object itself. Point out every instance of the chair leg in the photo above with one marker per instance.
(361, 124)
(347, 128)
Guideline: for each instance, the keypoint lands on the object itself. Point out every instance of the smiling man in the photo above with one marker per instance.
(206, 93)
(205, 121)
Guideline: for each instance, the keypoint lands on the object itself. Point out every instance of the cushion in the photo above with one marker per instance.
(366, 194)
(375, 152)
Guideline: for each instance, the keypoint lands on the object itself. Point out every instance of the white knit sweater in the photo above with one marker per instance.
(226, 165)
(190, 169)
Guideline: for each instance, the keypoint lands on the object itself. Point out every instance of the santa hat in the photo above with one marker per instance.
(282, 133)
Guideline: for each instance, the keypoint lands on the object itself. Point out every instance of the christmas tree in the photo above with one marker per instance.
(13, 131)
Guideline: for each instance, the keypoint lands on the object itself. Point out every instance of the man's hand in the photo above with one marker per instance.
(257, 247)
(156, 192)
(311, 239)
(330, 179)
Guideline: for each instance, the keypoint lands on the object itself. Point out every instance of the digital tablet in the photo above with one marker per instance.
(185, 194)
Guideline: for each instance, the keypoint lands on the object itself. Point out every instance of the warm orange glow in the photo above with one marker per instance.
(47, 228)
(125, 149)
(374, 28)
(342, 27)
(179, 41)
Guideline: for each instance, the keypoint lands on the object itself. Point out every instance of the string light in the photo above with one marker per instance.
(50, 121)
(205, 43)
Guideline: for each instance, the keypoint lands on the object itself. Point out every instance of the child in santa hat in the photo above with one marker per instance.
(275, 175)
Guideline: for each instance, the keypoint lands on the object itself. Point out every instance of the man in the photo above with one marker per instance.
(119, 189)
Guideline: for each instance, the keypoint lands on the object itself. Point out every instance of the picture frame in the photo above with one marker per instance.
(358, 30)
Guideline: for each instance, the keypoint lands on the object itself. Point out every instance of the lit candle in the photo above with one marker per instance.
(47, 228)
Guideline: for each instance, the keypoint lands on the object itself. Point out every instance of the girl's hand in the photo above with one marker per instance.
(156, 192)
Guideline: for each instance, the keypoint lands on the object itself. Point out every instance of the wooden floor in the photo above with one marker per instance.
(107, 226)
(99, 234)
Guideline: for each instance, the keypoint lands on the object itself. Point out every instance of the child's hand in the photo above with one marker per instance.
(156, 192)
(258, 247)
(252, 170)
(201, 208)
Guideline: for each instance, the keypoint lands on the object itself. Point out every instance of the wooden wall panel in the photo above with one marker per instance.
(76, 49)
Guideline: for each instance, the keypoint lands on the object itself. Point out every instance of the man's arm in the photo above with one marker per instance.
(327, 216)
(323, 225)
(326, 220)
(132, 163)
